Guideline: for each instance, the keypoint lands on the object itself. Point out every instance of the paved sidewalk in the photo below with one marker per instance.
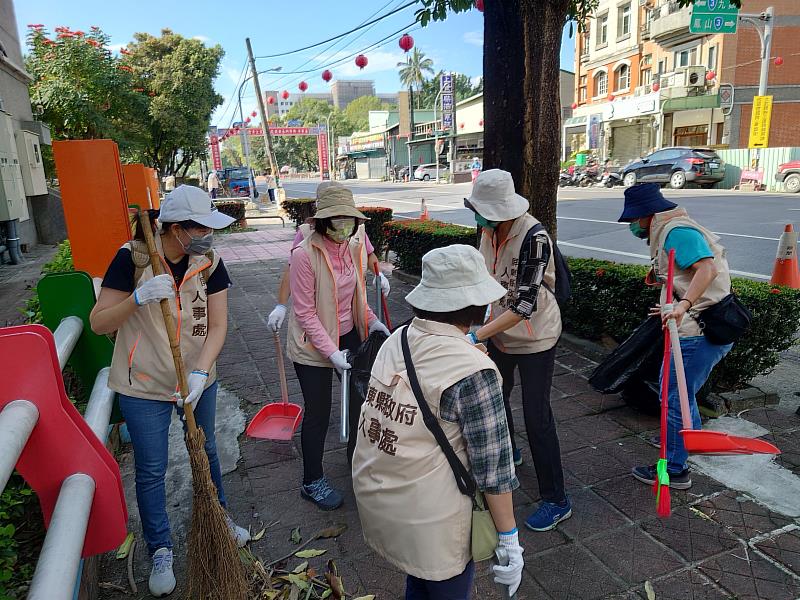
(719, 543)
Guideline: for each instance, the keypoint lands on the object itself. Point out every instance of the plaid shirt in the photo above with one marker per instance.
(476, 404)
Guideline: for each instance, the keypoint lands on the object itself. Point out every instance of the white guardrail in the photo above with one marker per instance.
(59, 563)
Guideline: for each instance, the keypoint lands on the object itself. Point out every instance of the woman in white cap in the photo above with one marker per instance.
(330, 315)
(411, 508)
(523, 328)
(142, 373)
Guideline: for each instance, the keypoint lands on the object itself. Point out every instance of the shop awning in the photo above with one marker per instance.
(575, 122)
(691, 103)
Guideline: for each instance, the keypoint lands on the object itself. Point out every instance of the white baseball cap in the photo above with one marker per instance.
(190, 203)
(454, 277)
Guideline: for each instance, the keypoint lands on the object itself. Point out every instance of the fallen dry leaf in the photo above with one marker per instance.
(259, 535)
(309, 553)
(296, 538)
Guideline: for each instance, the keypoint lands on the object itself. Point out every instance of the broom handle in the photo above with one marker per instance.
(281, 369)
(675, 342)
(169, 321)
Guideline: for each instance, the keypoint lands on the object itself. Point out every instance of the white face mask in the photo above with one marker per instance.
(342, 228)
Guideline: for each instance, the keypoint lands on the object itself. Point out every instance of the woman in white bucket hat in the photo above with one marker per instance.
(412, 512)
(523, 328)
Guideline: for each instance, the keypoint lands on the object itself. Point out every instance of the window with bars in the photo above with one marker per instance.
(600, 84)
(622, 78)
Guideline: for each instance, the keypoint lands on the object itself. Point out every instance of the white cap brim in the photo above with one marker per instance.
(215, 219)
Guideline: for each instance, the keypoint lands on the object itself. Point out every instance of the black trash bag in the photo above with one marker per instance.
(633, 368)
(361, 362)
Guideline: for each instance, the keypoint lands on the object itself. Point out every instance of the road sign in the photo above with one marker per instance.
(726, 95)
(713, 16)
(760, 121)
(448, 100)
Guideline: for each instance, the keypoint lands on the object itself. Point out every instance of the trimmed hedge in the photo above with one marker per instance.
(378, 217)
(610, 299)
(232, 208)
(299, 209)
(411, 239)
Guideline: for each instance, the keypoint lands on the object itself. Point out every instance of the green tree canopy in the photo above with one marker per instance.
(357, 112)
(414, 72)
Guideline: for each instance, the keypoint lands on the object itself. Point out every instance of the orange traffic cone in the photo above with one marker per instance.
(786, 270)
(423, 213)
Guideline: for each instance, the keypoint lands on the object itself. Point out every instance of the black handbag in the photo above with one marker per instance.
(724, 322)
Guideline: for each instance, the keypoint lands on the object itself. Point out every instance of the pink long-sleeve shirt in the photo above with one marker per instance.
(303, 285)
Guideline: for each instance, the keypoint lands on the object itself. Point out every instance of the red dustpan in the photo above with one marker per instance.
(279, 420)
(708, 442)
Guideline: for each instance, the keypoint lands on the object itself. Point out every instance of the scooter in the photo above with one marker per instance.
(610, 179)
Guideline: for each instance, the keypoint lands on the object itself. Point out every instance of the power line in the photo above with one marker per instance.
(341, 35)
(221, 118)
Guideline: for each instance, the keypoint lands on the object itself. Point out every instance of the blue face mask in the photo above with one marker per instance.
(486, 224)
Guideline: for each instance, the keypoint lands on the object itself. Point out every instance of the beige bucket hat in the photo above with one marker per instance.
(493, 197)
(454, 277)
(336, 201)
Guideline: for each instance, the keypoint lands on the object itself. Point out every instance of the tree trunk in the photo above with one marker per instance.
(522, 106)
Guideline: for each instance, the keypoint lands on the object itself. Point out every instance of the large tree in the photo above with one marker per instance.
(357, 112)
(414, 71)
(178, 74)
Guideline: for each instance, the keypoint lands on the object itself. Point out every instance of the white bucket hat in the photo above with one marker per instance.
(453, 278)
(493, 197)
(190, 203)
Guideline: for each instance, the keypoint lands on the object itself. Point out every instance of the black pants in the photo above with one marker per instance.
(271, 193)
(316, 385)
(536, 374)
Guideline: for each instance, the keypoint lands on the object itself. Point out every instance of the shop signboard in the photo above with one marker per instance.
(760, 121)
(366, 142)
(595, 124)
(448, 100)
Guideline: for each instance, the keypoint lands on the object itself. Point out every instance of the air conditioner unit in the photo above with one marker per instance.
(695, 77)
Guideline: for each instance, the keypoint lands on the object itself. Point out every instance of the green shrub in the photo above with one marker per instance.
(610, 299)
(21, 534)
(378, 217)
(232, 208)
(411, 239)
(300, 209)
(61, 263)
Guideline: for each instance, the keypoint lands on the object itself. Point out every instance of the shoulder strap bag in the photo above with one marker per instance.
(484, 533)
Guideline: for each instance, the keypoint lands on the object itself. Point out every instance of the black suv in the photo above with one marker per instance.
(676, 166)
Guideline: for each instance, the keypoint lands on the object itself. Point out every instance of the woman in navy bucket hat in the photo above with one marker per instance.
(702, 279)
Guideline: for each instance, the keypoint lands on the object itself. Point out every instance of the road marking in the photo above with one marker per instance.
(590, 220)
(742, 235)
(449, 207)
(647, 258)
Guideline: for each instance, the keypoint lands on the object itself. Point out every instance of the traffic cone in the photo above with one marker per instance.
(423, 213)
(786, 271)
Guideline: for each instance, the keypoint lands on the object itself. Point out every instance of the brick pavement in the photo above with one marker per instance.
(717, 544)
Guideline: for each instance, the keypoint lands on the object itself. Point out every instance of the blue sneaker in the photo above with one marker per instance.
(548, 515)
(322, 494)
(517, 457)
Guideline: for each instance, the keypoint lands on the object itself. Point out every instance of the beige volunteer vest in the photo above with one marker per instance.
(142, 365)
(411, 511)
(298, 347)
(662, 224)
(541, 332)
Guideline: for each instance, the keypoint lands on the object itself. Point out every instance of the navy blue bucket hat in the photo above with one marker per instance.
(643, 200)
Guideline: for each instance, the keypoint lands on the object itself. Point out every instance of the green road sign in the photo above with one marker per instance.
(713, 16)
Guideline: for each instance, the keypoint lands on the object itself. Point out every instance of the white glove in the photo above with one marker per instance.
(155, 289)
(276, 317)
(376, 325)
(385, 287)
(339, 361)
(510, 575)
(197, 385)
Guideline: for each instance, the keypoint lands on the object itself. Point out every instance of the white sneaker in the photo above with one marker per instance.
(162, 579)
(240, 534)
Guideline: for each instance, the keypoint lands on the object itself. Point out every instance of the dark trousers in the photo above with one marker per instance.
(536, 375)
(455, 588)
(315, 382)
(271, 193)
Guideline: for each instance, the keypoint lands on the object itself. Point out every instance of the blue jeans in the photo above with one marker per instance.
(148, 423)
(699, 358)
(455, 588)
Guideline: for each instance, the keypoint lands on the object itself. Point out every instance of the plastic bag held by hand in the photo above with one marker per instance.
(154, 290)
(376, 325)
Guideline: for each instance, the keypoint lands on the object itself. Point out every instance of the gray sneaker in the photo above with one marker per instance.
(240, 534)
(322, 494)
(162, 579)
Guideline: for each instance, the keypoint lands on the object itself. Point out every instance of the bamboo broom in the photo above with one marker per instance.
(215, 571)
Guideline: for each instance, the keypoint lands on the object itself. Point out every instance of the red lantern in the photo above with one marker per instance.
(778, 61)
(480, 122)
(254, 114)
(656, 87)
(406, 42)
(461, 126)
(284, 94)
(611, 97)
(327, 75)
(247, 120)
(710, 76)
(574, 105)
(271, 100)
(361, 61)
(479, 5)
(303, 86)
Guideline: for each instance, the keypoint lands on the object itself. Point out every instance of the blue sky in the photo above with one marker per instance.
(275, 27)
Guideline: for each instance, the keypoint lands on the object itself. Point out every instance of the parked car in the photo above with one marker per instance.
(428, 172)
(789, 174)
(676, 166)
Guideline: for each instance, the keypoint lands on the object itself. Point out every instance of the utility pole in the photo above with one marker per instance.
(765, 35)
(246, 149)
(263, 112)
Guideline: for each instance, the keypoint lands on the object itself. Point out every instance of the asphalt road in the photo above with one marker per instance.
(748, 223)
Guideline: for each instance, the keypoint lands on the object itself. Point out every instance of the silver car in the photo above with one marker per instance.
(428, 172)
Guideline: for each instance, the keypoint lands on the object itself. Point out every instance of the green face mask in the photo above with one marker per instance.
(638, 230)
(486, 224)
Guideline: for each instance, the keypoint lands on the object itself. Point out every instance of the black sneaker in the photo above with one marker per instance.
(322, 494)
(678, 481)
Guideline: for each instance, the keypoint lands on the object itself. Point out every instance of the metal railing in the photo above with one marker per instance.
(57, 570)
